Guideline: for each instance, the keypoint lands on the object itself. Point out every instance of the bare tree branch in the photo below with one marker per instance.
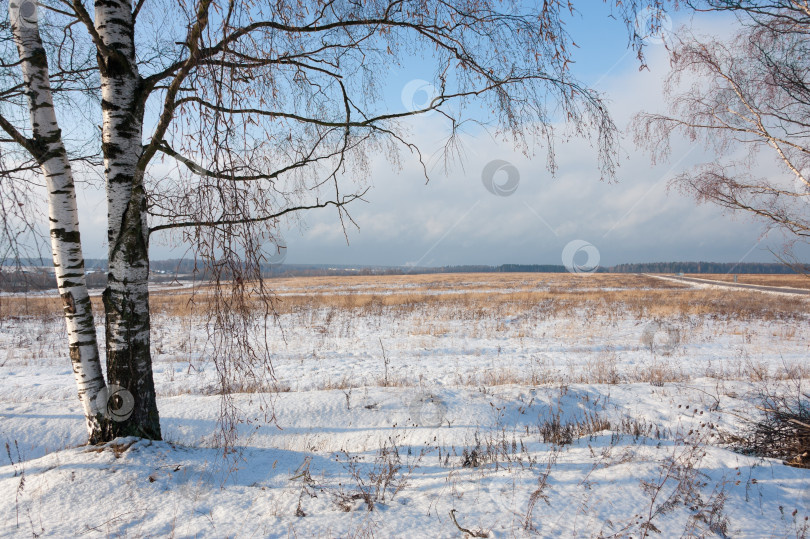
(752, 94)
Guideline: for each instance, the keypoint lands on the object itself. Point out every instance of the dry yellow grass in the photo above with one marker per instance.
(516, 294)
(473, 296)
(468, 282)
(584, 312)
(34, 306)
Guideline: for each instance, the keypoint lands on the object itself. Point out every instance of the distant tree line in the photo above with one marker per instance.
(702, 267)
(646, 267)
(34, 274)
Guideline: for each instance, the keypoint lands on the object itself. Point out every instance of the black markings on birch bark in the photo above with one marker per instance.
(48, 149)
(126, 298)
(69, 304)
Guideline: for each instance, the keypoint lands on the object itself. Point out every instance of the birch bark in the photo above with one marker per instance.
(126, 298)
(49, 150)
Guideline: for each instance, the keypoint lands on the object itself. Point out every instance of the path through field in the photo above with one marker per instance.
(741, 286)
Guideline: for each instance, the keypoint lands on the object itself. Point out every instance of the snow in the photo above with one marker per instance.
(476, 390)
(711, 284)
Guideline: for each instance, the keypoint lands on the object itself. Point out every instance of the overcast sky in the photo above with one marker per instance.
(455, 220)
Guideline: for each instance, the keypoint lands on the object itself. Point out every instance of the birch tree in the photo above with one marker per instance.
(747, 98)
(214, 121)
(46, 147)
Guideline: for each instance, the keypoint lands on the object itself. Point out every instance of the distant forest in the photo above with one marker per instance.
(33, 274)
(186, 267)
(167, 269)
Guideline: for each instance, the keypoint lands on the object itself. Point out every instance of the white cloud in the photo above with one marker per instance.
(454, 219)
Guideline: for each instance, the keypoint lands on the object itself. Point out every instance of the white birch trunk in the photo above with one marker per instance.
(63, 215)
(126, 299)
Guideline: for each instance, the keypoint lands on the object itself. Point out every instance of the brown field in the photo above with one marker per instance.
(473, 281)
(511, 294)
(790, 281)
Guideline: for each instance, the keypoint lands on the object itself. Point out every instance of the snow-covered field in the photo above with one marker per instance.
(549, 406)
